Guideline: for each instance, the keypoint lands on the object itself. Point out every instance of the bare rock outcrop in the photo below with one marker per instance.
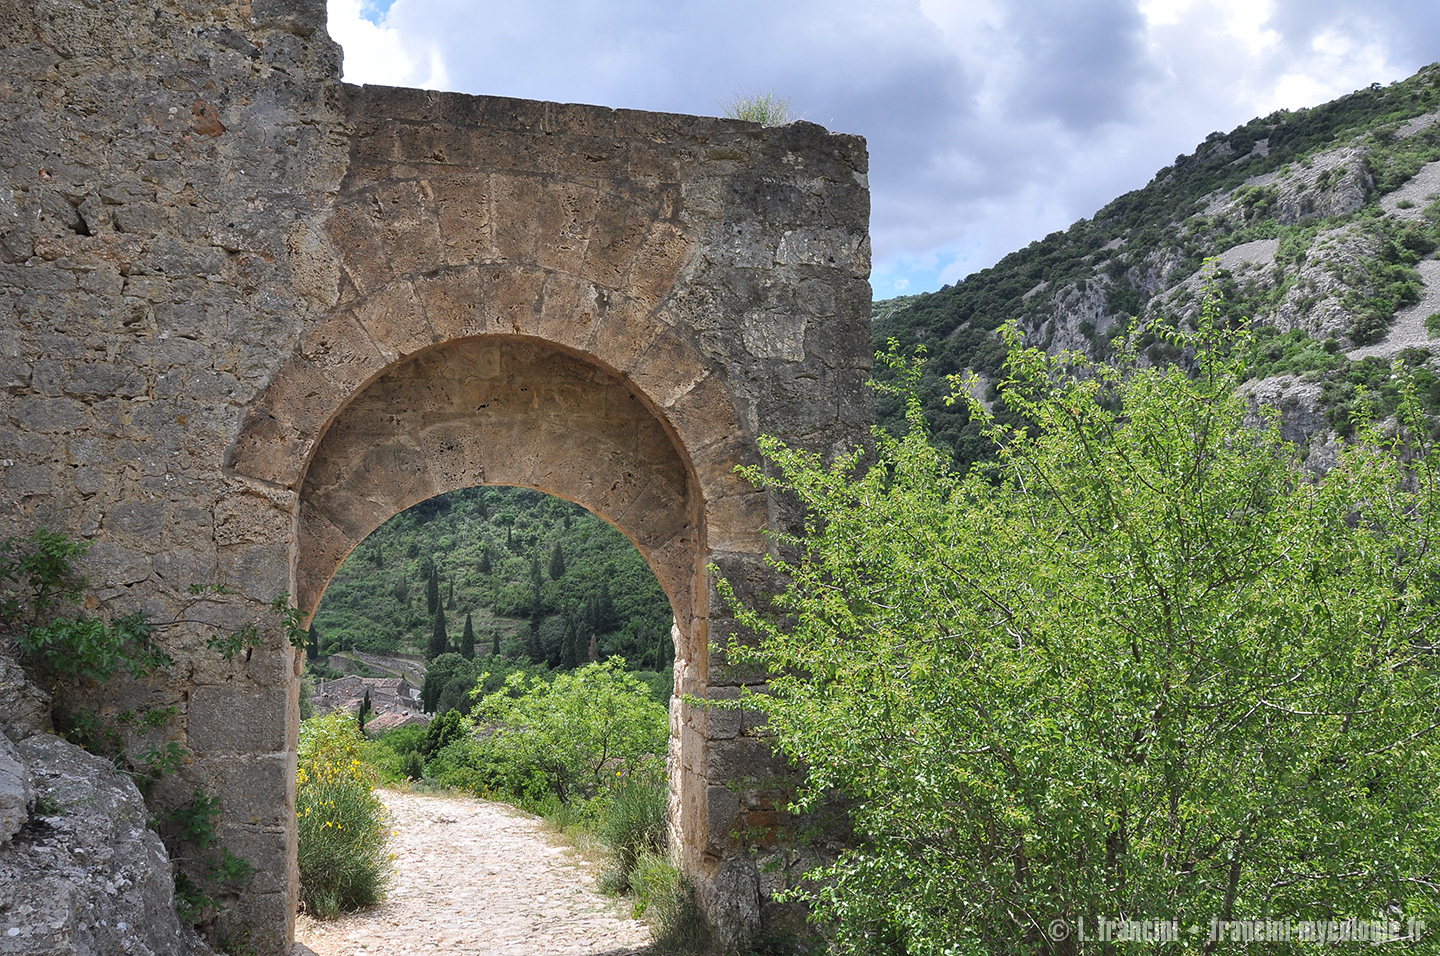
(80, 873)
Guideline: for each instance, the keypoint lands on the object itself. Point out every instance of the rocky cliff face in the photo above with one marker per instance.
(80, 873)
(1319, 231)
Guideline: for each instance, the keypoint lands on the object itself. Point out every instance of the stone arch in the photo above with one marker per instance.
(501, 411)
(656, 291)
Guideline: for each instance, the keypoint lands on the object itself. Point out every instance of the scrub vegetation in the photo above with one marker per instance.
(1137, 662)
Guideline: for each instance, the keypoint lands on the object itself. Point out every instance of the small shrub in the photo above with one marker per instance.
(665, 899)
(632, 823)
(37, 578)
(767, 109)
(344, 828)
(567, 737)
(1432, 324)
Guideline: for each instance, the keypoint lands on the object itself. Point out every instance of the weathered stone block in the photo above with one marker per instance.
(236, 719)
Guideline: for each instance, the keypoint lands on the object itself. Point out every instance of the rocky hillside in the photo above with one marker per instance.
(1323, 226)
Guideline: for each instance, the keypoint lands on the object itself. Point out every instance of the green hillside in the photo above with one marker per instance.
(492, 555)
(1314, 207)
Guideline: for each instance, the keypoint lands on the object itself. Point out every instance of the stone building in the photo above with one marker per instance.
(249, 312)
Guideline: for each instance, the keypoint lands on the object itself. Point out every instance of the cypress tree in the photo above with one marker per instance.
(604, 621)
(467, 640)
(432, 592)
(557, 563)
(485, 560)
(312, 646)
(494, 642)
(536, 580)
(439, 640)
(570, 647)
(530, 638)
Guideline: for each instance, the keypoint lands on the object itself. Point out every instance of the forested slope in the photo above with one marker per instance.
(535, 574)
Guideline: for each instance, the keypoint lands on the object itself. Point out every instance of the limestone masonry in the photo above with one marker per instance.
(249, 312)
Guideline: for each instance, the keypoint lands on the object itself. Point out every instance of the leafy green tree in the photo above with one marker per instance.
(1142, 663)
(467, 639)
(439, 674)
(530, 640)
(569, 735)
(439, 640)
(557, 563)
(537, 581)
(443, 731)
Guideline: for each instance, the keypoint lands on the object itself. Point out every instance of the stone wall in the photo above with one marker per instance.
(247, 313)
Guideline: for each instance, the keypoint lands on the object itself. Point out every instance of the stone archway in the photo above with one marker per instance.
(514, 411)
(198, 321)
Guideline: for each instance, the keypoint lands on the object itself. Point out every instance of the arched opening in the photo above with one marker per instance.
(440, 617)
(517, 411)
(495, 575)
(501, 411)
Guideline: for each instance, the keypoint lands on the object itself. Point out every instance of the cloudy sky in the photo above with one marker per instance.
(990, 122)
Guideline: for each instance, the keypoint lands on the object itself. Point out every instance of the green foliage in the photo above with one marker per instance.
(371, 605)
(564, 738)
(632, 823)
(439, 640)
(39, 577)
(189, 833)
(442, 732)
(467, 639)
(344, 828)
(767, 109)
(1393, 281)
(665, 899)
(1141, 664)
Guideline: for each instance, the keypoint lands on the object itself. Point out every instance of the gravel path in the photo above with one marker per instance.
(479, 878)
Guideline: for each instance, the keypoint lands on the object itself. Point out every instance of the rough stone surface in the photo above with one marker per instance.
(84, 875)
(24, 707)
(218, 262)
(16, 796)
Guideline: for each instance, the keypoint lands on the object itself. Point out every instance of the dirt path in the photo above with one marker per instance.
(479, 877)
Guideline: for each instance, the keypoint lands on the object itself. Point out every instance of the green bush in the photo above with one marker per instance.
(38, 577)
(563, 738)
(344, 828)
(1143, 664)
(632, 821)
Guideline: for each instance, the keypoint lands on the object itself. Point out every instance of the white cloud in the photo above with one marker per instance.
(377, 53)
